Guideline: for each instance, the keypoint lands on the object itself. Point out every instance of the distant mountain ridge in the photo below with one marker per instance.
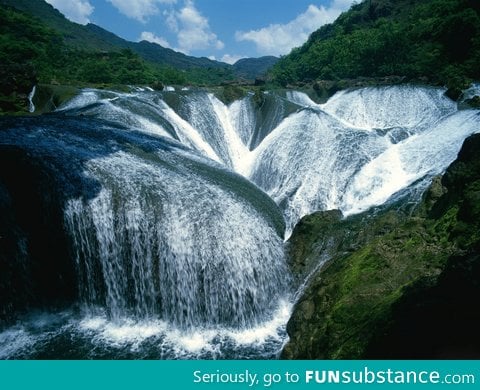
(93, 37)
(39, 46)
(254, 67)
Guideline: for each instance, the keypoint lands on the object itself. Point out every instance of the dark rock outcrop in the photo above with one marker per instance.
(35, 265)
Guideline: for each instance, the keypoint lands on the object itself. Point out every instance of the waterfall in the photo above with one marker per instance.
(31, 107)
(406, 106)
(355, 151)
(182, 256)
(360, 148)
(166, 243)
(176, 205)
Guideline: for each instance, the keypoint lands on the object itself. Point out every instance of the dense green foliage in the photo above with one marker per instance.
(24, 44)
(95, 38)
(92, 38)
(396, 286)
(75, 35)
(434, 40)
(31, 52)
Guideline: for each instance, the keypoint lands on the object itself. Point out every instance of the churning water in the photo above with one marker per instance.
(179, 251)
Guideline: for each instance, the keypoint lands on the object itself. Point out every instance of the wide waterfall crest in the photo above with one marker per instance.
(350, 153)
(424, 155)
(384, 140)
(390, 107)
(307, 162)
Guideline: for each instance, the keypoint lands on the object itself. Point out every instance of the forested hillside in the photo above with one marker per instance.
(437, 41)
(31, 52)
(94, 38)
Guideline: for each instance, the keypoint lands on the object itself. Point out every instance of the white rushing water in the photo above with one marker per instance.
(96, 336)
(351, 153)
(182, 256)
(362, 147)
(165, 266)
(187, 273)
(31, 95)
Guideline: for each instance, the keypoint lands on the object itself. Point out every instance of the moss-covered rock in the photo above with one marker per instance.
(304, 247)
(473, 102)
(16, 82)
(367, 300)
(229, 93)
(49, 97)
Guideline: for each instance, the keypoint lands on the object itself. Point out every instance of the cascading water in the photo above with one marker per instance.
(31, 95)
(160, 249)
(181, 256)
(352, 153)
(360, 148)
(177, 256)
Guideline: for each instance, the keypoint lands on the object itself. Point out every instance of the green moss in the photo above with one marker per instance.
(230, 93)
(49, 97)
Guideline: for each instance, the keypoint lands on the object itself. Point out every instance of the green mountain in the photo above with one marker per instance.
(32, 52)
(75, 35)
(436, 41)
(95, 38)
(251, 68)
(39, 45)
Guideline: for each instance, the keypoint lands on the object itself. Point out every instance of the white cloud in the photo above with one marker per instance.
(151, 37)
(171, 20)
(139, 9)
(231, 59)
(76, 10)
(278, 39)
(192, 29)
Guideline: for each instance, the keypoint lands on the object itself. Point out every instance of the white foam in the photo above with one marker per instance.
(428, 153)
(264, 331)
(235, 119)
(123, 331)
(85, 98)
(132, 333)
(472, 91)
(187, 133)
(301, 98)
(14, 341)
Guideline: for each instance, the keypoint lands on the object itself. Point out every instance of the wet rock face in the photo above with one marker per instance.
(406, 291)
(304, 240)
(474, 102)
(34, 257)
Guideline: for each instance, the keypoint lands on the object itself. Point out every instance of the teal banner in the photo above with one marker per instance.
(151, 375)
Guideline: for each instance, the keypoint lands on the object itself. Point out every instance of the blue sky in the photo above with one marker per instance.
(225, 30)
